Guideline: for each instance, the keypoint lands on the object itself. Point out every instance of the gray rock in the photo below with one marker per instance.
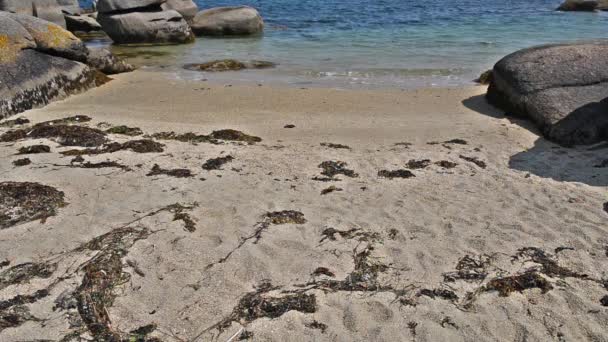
(224, 21)
(81, 23)
(584, 5)
(563, 88)
(41, 79)
(109, 6)
(44, 9)
(36, 65)
(106, 62)
(187, 8)
(69, 6)
(49, 38)
(146, 27)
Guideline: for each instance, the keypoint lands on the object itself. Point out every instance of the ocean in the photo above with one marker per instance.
(381, 43)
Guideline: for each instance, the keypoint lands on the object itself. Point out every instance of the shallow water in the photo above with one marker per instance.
(404, 43)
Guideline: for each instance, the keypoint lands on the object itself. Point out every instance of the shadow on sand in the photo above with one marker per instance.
(583, 164)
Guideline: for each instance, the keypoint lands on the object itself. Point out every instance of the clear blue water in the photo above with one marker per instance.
(389, 42)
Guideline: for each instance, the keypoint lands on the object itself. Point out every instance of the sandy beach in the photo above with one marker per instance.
(361, 215)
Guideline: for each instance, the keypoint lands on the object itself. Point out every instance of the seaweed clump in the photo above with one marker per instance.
(518, 283)
(26, 201)
(334, 168)
(34, 149)
(446, 164)
(22, 162)
(475, 161)
(469, 269)
(22, 273)
(137, 146)
(549, 266)
(418, 164)
(330, 190)
(65, 135)
(178, 173)
(216, 137)
(14, 122)
(216, 163)
(125, 130)
(390, 174)
(336, 146)
(438, 293)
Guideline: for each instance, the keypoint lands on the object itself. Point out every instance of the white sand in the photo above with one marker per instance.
(532, 194)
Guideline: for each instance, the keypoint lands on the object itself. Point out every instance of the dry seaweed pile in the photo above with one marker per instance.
(217, 163)
(180, 214)
(336, 146)
(216, 137)
(22, 162)
(446, 164)
(34, 149)
(25, 202)
(474, 160)
(418, 164)
(390, 174)
(334, 168)
(125, 130)
(469, 268)
(178, 173)
(449, 142)
(14, 122)
(137, 146)
(330, 190)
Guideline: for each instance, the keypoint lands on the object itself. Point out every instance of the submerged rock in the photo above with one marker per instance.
(229, 65)
(563, 88)
(228, 21)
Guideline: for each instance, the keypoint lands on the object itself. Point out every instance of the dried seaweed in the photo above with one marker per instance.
(22, 162)
(25, 202)
(606, 207)
(446, 164)
(25, 272)
(330, 190)
(34, 149)
(70, 120)
(449, 142)
(333, 168)
(216, 137)
(178, 173)
(15, 316)
(438, 293)
(390, 174)
(285, 217)
(180, 214)
(469, 269)
(125, 130)
(216, 163)
(323, 271)
(63, 134)
(336, 146)
(475, 161)
(14, 122)
(100, 165)
(518, 283)
(549, 266)
(351, 234)
(604, 301)
(317, 325)
(137, 146)
(418, 164)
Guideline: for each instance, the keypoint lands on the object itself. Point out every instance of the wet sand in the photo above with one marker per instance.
(489, 233)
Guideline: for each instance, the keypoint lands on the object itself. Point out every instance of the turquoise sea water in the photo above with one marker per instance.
(404, 43)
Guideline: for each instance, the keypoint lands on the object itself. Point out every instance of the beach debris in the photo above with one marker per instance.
(604, 301)
(70, 120)
(518, 283)
(261, 304)
(485, 77)
(34, 149)
(178, 173)
(414, 164)
(246, 335)
(22, 162)
(23, 273)
(469, 268)
(99, 165)
(390, 174)
(4, 263)
(15, 316)
(15, 122)
(323, 271)
(474, 160)
(180, 214)
(137, 146)
(270, 218)
(446, 164)
(289, 126)
(125, 130)
(317, 325)
(447, 321)
(449, 142)
(438, 293)
(549, 265)
(229, 65)
(333, 168)
(217, 163)
(330, 190)
(65, 135)
(412, 327)
(22, 202)
(404, 144)
(216, 137)
(351, 234)
(336, 146)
